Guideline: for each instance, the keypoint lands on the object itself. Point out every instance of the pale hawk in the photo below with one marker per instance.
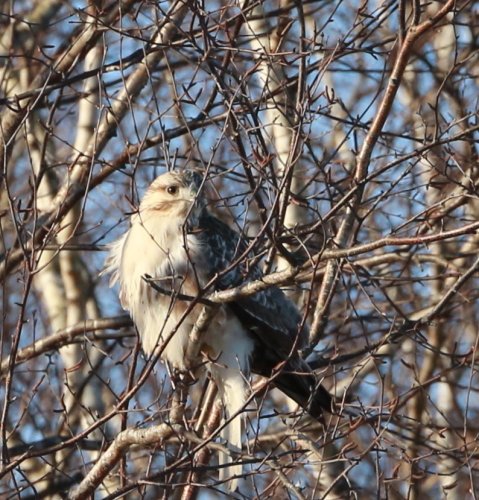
(174, 239)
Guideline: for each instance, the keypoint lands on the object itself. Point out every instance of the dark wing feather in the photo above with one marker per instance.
(270, 310)
(269, 315)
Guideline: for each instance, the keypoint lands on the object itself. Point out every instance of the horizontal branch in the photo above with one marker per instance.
(472, 228)
(303, 273)
(299, 274)
(66, 336)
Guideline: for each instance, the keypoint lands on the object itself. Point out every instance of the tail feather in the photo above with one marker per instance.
(297, 381)
(307, 392)
(234, 392)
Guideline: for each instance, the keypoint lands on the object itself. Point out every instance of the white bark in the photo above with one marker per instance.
(434, 166)
(280, 123)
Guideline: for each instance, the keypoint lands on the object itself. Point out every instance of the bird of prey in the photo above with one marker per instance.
(175, 240)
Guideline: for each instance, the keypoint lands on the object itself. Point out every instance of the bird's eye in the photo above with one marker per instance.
(172, 190)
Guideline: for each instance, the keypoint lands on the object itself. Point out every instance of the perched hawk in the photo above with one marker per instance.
(175, 240)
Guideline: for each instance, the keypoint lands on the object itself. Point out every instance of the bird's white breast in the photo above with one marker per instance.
(157, 246)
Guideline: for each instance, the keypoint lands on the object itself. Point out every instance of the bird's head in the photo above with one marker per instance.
(175, 194)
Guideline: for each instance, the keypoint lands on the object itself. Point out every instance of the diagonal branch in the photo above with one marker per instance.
(346, 229)
(124, 440)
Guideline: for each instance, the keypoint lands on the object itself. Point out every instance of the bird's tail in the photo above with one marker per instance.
(233, 393)
(298, 382)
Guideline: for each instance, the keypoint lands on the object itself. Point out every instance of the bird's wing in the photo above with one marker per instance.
(269, 314)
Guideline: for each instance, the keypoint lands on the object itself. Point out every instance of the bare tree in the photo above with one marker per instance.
(341, 140)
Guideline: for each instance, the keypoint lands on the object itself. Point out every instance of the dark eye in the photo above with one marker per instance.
(172, 190)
